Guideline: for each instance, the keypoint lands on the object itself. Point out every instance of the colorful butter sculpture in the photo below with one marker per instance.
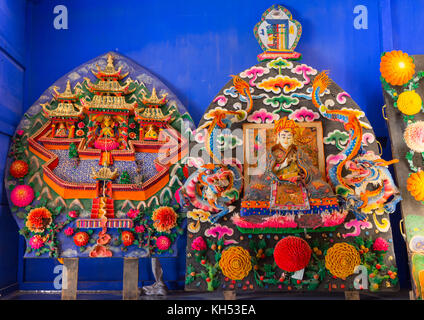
(95, 162)
(287, 190)
(401, 77)
(278, 34)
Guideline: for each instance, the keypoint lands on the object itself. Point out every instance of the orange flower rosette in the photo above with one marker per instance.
(38, 220)
(342, 259)
(415, 185)
(164, 219)
(397, 67)
(18, 169)
(235, 263)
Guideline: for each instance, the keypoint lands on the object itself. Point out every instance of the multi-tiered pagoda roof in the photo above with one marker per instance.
(152, 113)
(109, 94)
(66, 107)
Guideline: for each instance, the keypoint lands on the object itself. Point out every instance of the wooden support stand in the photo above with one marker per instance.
(70, 278)
(130, 281)
(229, 295)
(352, 295)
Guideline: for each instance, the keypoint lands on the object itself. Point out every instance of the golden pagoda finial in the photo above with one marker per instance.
(65, 95)
(110, 67)
(109, 70)
(153, 99)
(68, 87)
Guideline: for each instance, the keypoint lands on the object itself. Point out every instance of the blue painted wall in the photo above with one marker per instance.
(12, 53)
(193, 46)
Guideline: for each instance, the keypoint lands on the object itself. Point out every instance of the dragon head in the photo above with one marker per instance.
(365, 169)
(360, 171)
(217, 175)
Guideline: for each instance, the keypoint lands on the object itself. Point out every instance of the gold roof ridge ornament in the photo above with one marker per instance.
(109, 102)
(278, 34)
(153, 111)
(110, 87)
(104, 173)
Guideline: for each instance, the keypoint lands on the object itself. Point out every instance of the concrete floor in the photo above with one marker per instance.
(182, 295)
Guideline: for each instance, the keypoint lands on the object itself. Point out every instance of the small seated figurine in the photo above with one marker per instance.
(294, 195)
(61, 131)
(292, 169)
(151, 134)
(107, 128)
(106, 139)
(284, 152)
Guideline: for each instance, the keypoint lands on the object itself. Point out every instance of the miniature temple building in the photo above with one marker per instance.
(108, 111)
(151, 118)
(65, 115)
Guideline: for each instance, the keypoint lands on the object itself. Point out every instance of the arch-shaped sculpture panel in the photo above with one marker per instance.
(89, 168)
(288, 191)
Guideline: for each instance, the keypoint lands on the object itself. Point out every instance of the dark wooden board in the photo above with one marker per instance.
(130, 281)
(396, 126)
(70, 280)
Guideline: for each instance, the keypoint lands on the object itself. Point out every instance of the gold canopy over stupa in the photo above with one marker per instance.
(104, 173)
(66, 95)
(152, 113)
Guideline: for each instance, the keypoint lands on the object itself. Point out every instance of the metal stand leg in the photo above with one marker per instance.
(158, 288)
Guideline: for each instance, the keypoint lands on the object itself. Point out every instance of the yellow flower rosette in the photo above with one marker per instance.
(342, 259)
(235, 263)
(409, 102)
